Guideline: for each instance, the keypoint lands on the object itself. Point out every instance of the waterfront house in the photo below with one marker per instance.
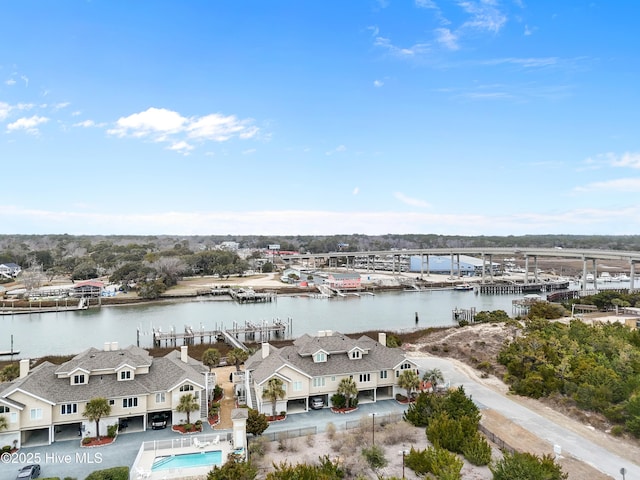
(344, 281)
(314, 366)
(8, 270)
(45, 403)
(87, 288)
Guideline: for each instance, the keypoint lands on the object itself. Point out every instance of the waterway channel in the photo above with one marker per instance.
(63, 333)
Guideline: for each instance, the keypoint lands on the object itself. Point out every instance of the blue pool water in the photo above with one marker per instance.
(200, 459)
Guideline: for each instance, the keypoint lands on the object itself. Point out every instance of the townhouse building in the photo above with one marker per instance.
(45, 403)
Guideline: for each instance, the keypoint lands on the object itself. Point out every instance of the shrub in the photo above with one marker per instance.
(112, 430)
(477, 450)
(375, 457)
(526, 466)
(188, 427)
(617, 430)
(441, 463)
(258, 447)
(86, 441)
(338, 400)
(115, 473)
(6, 449)
(331, 430)
(217, 392)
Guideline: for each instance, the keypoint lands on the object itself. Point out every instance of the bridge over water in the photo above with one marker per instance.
(530, 255)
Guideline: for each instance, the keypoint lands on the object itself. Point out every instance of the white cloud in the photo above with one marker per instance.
(10, 82)
(414, 202)
(25, 79)
(447, 38)
(338, 149)
(5, 108)
(426, 4)
(378, 83)
(317, 222)
(628, 159)
(85, 124)
(484, 15)
(527, 31)
(28, 124)
(181, 147)
(162, 125)
(248, 151)
(356, 191)
(406, 52)
(618, 185)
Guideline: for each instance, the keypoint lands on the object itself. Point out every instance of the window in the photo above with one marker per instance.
(318, 381)
(365, 377)
(129, 402)
(160, 398)
(383, 374)
(35, 414)
(4, 409)
(112, 402)
(68, 408)
(186, 388)
(13, 417)
(355, 354)
(125, 375)
(78, 379)
(320, 357)
(297, 386)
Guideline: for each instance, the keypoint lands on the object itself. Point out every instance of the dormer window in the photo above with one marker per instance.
(356, 354)
(186, 388)
(79, 379)
(320, 357)
(125, 375)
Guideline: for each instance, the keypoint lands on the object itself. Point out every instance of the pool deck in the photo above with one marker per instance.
(142, 469)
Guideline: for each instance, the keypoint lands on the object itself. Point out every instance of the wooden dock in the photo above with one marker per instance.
(247, 295)
(249, 332)
(461, 315)
(35, 308)
(515, 288)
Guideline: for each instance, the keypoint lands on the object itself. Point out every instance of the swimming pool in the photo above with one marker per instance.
(200, 459)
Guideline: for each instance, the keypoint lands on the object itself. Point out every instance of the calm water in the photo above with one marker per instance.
(71, 332)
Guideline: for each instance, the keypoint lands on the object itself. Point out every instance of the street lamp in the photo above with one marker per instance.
(403, 452)
(373, 428)
(623, 471)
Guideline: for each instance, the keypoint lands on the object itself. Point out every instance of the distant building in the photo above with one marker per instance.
(230, 246)
(344, 281)
(8, 270)
(88, 288)
(460, 265)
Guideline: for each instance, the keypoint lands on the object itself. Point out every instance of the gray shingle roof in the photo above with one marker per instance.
(378, 357)
(165, 373)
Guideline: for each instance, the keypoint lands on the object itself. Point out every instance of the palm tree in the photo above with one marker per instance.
(409, 380)
(274, 391)
(95, 410)
(188, 403)
(237, 356)
(433, 376)
(348, 388)
(211, 357)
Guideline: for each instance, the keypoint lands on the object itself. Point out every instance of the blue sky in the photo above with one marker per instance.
(474, 117)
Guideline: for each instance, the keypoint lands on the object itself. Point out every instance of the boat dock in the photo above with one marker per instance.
(461, 315)
(247, 295)
(514, 288)
(4, 310)
(249, 332)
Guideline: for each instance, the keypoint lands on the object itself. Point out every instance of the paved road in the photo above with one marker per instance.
(571, 443)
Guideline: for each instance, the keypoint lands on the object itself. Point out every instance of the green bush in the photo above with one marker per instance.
(375, 457)
(115, 473)
(338, 400)
(526, 466)
(477, 450)
(6, 449)
(450, 433)
(441, 463)
(112, 430)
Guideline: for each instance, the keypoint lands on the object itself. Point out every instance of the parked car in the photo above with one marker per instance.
(158, 421)
(317, 403)
(29, 471)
